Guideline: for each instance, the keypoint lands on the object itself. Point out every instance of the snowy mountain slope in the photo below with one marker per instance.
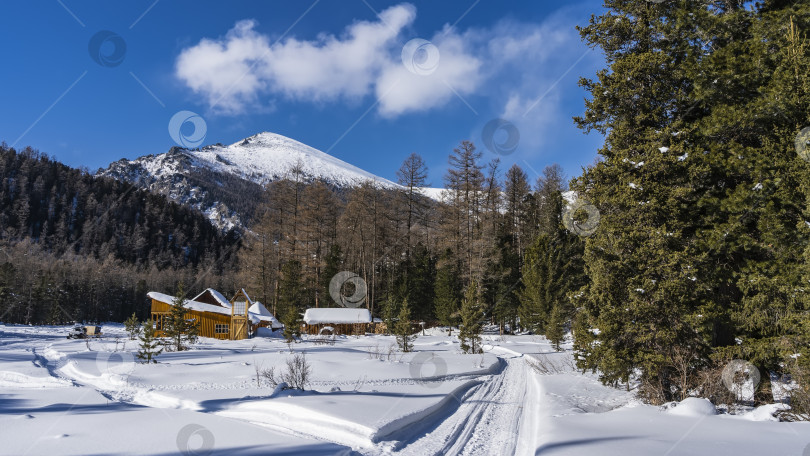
(267, 156)
(226, 199)
(225, 182)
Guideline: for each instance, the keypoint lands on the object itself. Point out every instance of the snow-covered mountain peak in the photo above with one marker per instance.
(266, 156)
(225, 181)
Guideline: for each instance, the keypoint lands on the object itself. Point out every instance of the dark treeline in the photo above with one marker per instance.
(66, 210)
(78, 247)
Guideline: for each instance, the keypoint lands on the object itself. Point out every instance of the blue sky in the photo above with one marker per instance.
(329, 73)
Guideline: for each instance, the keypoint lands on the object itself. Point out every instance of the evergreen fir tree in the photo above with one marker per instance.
(390, 311)
(535, 299)
(758, 218)
(292, 323)
(698, 187)
(419, 282)
(291, 299)
(131, 326)
(584, 341)
(448, 290)
(333, 260)
(555, 327)
(180, 331)
(553, 266)
(639, 260)
(403, 329)
(503, 283)
(471, 316)
(150, 346)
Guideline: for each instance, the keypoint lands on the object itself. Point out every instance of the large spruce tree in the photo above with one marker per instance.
(698, 248)
(640, 261)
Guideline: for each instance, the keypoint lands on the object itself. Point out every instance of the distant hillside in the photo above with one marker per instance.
(66, 210)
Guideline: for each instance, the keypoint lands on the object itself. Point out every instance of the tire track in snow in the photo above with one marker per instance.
(488, 421)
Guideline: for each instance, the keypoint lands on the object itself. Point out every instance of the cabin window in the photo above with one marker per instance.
(240, 308)
(220, 329)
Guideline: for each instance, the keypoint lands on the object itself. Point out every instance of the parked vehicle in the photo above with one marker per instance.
(79, 331)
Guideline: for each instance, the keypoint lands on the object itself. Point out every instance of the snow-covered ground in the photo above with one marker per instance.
(60, 396)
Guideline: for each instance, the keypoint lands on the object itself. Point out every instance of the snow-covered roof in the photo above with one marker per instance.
(263, 314)
(218, 297)
(336, 315)
(189, 304)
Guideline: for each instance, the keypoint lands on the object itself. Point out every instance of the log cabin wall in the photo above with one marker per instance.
(208, 320)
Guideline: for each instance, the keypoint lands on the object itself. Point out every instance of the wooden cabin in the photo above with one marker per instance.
(335, 321)
(219, 318)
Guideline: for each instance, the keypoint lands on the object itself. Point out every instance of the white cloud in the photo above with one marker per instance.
(228, 71)
(334, 67)
(233, 71)
(506, 66)
(459, 70)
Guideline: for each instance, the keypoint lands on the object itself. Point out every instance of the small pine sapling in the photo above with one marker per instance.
(150, 344)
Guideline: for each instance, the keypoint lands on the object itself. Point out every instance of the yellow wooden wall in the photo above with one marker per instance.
(207, 320)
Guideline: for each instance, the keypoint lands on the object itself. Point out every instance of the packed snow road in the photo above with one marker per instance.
(486, 420)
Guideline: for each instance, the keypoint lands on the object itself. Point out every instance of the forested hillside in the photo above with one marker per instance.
(82, 247)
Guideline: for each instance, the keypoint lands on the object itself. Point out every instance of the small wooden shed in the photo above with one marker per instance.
(336, 321)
